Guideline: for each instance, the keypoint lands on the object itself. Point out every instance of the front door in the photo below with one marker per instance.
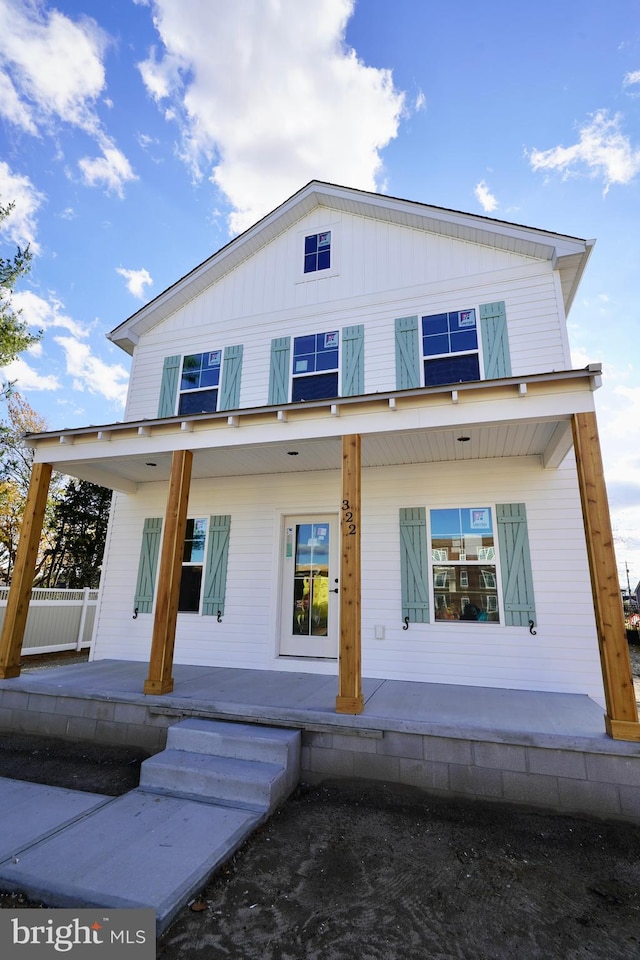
(310, 603)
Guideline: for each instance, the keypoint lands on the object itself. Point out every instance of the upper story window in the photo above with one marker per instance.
(315, 366)
(450, 348)
(317, 252)
(463, 556)
(199, 382)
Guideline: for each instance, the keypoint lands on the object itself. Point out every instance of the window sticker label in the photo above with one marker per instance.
(480, 519)
(467, 318)
(324, 239)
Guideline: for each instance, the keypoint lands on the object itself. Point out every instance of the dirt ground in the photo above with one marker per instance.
(359, 871)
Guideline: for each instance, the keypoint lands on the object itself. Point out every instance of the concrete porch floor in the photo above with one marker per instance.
(307, 701)
(536, 749)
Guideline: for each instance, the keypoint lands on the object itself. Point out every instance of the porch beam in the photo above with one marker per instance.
(350, 699)
(160, 679)
(15, 619)
(621, 721)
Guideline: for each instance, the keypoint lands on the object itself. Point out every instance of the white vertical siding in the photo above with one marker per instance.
(562, 656)
(383, 271)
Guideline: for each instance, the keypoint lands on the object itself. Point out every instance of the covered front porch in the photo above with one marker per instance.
(537, 416)
(537, 749)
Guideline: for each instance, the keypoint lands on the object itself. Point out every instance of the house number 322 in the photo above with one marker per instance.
(348, 518)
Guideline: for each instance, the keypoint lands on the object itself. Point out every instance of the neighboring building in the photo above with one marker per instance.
(424, 352)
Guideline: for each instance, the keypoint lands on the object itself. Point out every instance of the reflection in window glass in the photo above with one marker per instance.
(192, 561)
(464, 578)
(311, 580)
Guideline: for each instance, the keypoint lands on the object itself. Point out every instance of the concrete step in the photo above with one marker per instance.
(244, 784)
(244, 741)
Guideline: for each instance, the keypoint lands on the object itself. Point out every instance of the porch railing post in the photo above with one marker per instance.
(15, 619)
(164, 625)
(621, 719)
(350, 699)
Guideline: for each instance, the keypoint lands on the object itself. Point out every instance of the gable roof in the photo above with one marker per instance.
(568, 254)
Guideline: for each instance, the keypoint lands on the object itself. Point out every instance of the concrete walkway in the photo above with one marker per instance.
(73, 849)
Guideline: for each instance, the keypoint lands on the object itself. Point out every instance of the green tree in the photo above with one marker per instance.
(76, 515)
(78, 531)
(14, 332)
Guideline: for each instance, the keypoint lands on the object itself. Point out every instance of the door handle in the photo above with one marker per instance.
(334, 591)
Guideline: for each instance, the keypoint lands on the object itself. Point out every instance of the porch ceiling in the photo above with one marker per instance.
(550, 440)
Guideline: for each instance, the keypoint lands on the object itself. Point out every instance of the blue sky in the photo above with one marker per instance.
(138, 136)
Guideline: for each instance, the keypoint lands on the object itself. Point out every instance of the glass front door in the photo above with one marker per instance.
(309, 610)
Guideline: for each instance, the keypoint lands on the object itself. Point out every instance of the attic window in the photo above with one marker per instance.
(317, 252)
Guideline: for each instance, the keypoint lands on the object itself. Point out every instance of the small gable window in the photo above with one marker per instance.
(450, 348)
(317, 252)
(315, 366)
(199, 382)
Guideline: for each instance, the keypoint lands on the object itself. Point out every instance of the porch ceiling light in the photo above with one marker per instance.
(149, 463)
(292, 453)
(463, 439)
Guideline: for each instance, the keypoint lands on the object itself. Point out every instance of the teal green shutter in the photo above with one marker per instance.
(215, 574)
(413, 564)
(407, 353)
(147, 566)
(279, 371)
(495, 340)
(169, 386)
(515, 561)
(353, 361)
(231, 373)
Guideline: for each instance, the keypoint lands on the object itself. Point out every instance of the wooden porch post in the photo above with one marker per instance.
(164, 624)
(349, 699)
(15, 619)
(621, 721)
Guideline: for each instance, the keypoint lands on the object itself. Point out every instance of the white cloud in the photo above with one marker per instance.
(269, 97)
(630, 79)
(485, 198)
(52, 72)
(12, 107)
(93, 374)
(112, 169)
(602, 148)
(56, 63)
(20, 226)
(45, 314)
(137, 280)
(26, 378)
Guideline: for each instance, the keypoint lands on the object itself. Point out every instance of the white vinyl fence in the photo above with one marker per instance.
(57, 619)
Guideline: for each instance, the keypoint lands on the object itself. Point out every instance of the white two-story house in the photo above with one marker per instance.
(354, 443)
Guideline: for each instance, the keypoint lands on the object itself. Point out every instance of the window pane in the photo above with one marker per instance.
(324, 260)
(311, 580)
(436, 344)
(311, 243)
(304, 346)
(189, 601)
(327, 360)
(438, 323)
(195, 536)
(465, 593)
(464, 340)
(201, 401)
(454, 369)
(310, 261)
(320, 387)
